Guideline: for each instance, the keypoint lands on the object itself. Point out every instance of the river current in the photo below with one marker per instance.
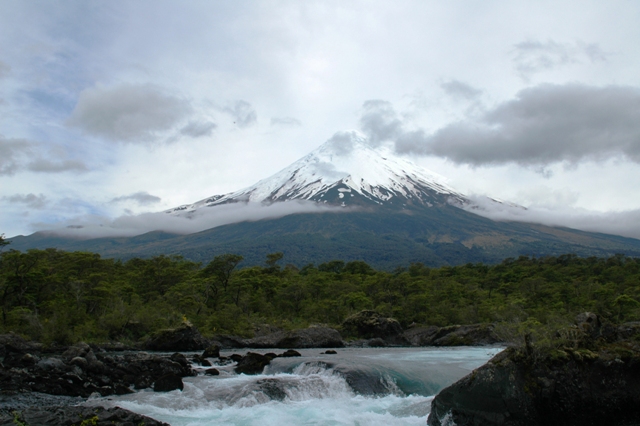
(356, 386)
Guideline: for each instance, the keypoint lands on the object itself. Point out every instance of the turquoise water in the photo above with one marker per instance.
(364, 386)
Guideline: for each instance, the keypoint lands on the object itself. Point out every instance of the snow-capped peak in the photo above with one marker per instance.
(346, 170)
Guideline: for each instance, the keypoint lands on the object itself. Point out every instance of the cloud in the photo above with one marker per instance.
(285, 121)
(380, 122)
(16, 153)
(342, 142)
(32, 201)
(45, 166)
(243, 114)
(200, 220)
(460, 91)
(533, 56)
(5, 69)
(142, 198)
(11, 153)
(543, 125)
(197, 129)
(623, 223)
(127, 112)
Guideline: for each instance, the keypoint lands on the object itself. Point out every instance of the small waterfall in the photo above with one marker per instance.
(391, 386)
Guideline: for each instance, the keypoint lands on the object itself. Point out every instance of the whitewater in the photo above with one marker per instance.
(356, 386)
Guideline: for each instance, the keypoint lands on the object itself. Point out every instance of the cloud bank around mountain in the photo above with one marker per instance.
(623, 223)
(202, 219)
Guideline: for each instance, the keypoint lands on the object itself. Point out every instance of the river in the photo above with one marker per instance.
(355, 387)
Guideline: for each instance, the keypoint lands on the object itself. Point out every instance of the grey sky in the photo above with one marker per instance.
(184, 100)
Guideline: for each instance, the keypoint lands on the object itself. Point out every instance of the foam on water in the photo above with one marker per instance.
(357, 387)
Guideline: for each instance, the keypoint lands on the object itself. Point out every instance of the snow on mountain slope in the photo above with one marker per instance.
(344, 171)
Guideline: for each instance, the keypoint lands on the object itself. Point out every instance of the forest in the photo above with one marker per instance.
(59, 297)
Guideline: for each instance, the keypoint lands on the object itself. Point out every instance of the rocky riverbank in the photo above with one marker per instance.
(43, 385)
(593, 381)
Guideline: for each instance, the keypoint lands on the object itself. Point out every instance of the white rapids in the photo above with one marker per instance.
(386, 386)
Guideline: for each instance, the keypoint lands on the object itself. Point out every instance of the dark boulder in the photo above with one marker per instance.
(84, 375)
(184, 338)
(421, 336)
(252, 363)
(12, 342)
(272, 388)
(69, 415)
(466, 335)
(168, 383)
(551, 387)
(454, 335)
(212, 372)
(311, 337)
(372, 325)
(229, 342)
(289, 353)
(235, 357)
(180, 359)
(212, 351)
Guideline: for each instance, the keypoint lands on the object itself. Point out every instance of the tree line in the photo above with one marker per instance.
(61, 297)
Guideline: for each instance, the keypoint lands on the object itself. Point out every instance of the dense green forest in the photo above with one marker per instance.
(61, 297)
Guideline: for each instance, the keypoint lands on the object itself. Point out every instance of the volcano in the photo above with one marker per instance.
(372, 206)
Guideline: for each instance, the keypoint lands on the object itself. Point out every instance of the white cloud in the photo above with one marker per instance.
(206, 218)
(243, 113)
(533, 56)
(141, 197)
(285, 121)
(623, 223)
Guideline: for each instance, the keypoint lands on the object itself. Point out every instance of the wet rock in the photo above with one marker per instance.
(80, 362)
(568, 387)
(212, 351)
(421, 336)
(51, 364)
(180, 359)
(168, 383)
(290, 353)
(212, 372)
(233, 342)
(205, 363)
(252, 363)
(377, 343)
(11, 342)
(372, 325)
(329, 352)
(272, 388)
(68, 415)
(183, 338)
(311, 337)
(235, 357)
(466, 335)
(78, 350)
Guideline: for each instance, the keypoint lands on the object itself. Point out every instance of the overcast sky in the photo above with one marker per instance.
(112, 109)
